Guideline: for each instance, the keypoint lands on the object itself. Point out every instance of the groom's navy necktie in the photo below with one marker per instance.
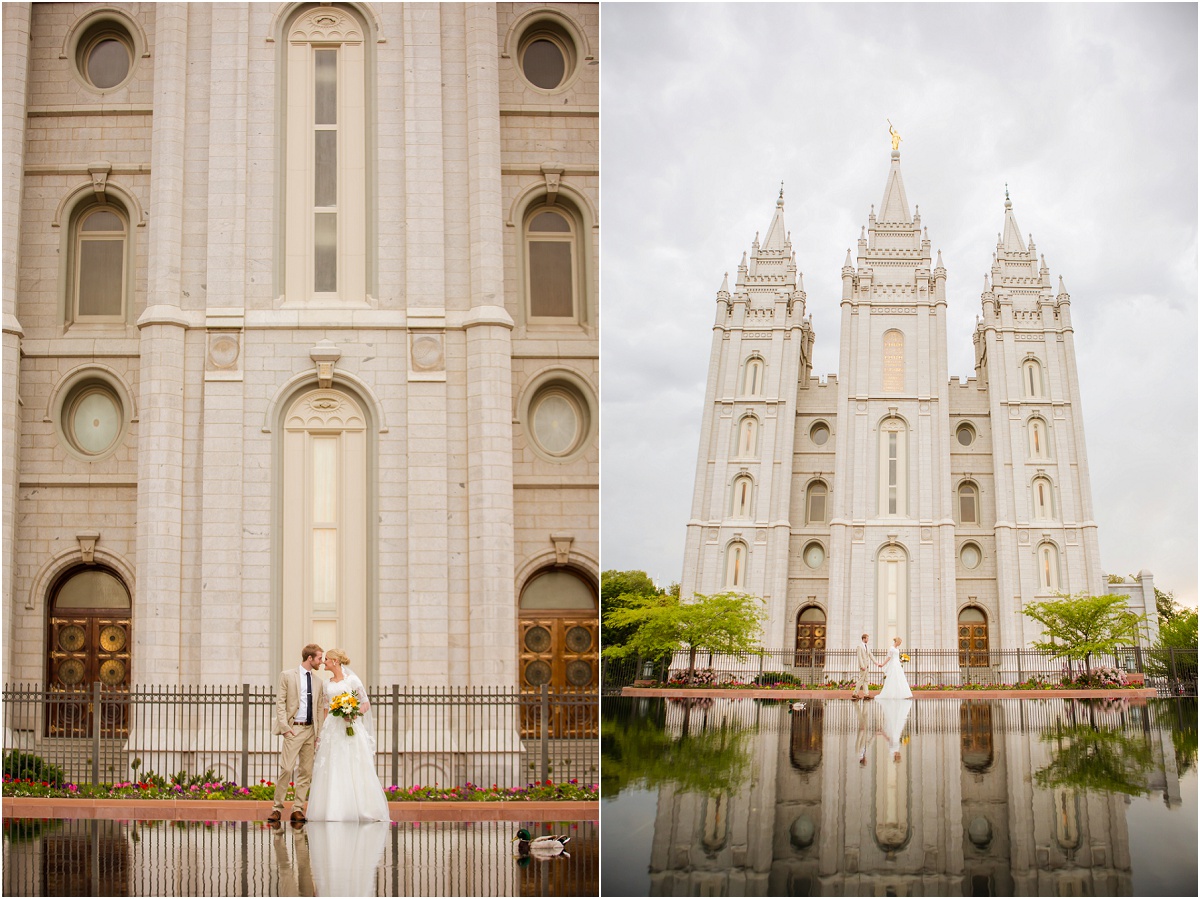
(308, 689)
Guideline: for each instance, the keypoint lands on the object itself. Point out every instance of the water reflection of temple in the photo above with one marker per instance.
(947, 805)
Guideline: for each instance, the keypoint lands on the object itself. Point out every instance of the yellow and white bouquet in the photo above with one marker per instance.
(345, 706)
(904, 657)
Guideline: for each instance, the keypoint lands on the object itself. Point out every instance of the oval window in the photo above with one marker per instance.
(819, 434)
(966, 434)
(92, 419)
(104, 54)
(546, 53)
(814, 555)
(970, 555)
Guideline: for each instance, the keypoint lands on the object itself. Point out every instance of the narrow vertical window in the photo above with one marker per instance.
(816, 502)
(1037, 440)
(747, 436)
(892, 460)
(99, 278)
(325, 172)
(754, 376)
(735, 567)
(968, 511)
(1032, 378)
(893, 472)
(1048, 567)
(893, 360)
(550, 249)
(743, 492)
(1043, 499)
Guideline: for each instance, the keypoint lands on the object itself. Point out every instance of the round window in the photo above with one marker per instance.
(970, 555)
(547, 55)
(104, 55)
(819, 433)
(814, 555)
(966, 434)
(93, 419)
(559, 420)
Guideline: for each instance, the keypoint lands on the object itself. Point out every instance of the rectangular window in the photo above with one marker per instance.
(893, 472)
(325, 170)
(324, 523)
(550, 290)
(101, 268)
(325, 252)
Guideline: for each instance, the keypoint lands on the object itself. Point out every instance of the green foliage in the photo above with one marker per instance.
(23, 766)
(1078, 625)
(1179, 634)
(1168, 609)
(621, 590)
(637, 751)
(723, 623)
(1182, 715)
(1097, 759)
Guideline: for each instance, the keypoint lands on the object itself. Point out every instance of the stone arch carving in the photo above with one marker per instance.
(342, 380)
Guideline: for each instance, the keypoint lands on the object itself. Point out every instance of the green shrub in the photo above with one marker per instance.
(24, 766)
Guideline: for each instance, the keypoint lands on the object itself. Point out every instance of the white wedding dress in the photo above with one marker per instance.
(345, 786)
(895, 683)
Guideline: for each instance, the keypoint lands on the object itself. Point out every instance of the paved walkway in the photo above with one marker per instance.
(257, 810)
(744, 693)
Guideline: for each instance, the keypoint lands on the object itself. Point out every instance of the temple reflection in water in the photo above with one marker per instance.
(909, 798)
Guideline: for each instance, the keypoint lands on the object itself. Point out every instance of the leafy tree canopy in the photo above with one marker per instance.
(1168, 609)
(618, 590)
(1078, 625)
(1097, 759)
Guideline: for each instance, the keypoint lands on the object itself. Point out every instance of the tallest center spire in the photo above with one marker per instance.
(894, 207)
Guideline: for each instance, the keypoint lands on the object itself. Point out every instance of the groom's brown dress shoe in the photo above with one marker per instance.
(275, 817)
(298, 817)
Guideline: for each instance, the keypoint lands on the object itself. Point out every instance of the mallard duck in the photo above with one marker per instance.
(528, 844)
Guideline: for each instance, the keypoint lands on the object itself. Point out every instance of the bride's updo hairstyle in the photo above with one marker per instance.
(338, 656)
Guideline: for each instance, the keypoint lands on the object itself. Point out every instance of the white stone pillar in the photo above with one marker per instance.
(16, 70)
(157, 601)
(493, 626)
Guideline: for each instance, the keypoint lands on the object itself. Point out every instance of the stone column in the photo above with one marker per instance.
(157, 601)
(425, 283)
(493, 626)
(16, 71)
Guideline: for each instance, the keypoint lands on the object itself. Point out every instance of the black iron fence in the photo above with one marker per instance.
(1170, 672)
(424, 736)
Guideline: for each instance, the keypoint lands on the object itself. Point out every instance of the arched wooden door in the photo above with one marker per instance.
(559, 646)
(810, 638)
(88, 640)
(973, 638)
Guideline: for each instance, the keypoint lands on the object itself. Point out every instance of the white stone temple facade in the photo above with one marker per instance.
(300, 317)
(893, 498)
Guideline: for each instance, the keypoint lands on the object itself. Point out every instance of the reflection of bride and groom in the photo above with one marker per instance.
(346, 805)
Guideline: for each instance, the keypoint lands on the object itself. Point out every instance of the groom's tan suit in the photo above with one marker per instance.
(865, 660)
(300, 746)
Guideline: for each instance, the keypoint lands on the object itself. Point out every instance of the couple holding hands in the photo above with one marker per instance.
(895, 684)
(323, 745)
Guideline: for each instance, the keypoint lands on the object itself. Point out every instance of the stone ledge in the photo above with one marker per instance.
(257, 810)
(682, 693)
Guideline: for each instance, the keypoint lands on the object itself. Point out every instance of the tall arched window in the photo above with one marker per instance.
(551, 263)
(99, 264)
(325, 156)
(752, 383)
(968, 503)
(893, 450)
(735, 565)
(1047, 562)
(1038, 444)
(747, 441)
(1031, 378)
(814, 503)
(743, 496)
(893, 360)
(1043, 499)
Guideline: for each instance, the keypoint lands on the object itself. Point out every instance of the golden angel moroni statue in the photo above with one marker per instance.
(896, 138)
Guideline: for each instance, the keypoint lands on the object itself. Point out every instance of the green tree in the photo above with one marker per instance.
(1174, 655)
(619, 590)
(1077, 625)
(1097, 759)
(723, 622)
(1168, 609)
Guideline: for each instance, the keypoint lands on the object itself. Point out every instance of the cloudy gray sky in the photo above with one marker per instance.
(1088, 112)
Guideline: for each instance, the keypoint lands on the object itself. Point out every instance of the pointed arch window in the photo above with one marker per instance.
(893, 361)
(743, 496)
(735, 565)
(893, 451)
(752, 383)
(968, 503)
(551, 263)
(814, 502)
(747, 439)
(1031, 378)
(1039, 447)
(99, 264)
(1043, 499)
(1047, 562)
(325, 157)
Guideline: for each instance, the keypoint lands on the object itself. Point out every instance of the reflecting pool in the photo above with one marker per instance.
(167, 858)
(730, 797)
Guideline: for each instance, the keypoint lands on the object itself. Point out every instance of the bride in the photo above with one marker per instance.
(895, 684)
(345, 786)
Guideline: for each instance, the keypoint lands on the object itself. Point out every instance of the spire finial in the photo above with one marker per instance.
(1007, 201)
(781, 190)
(896, 138)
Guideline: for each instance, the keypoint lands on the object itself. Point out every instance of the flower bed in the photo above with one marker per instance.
(265, 790)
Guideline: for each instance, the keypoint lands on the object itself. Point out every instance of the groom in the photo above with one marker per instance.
(865, 659)
(299, 701)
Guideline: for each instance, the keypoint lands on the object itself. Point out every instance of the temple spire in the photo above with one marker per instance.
(1011, 241)
(776, 233)
(894, 207)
